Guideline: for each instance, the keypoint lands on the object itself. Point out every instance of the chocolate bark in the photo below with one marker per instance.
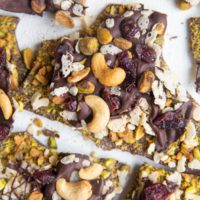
(8, 41)
(194, 25)
(64, 11)
(154, 183)
(150, 113)
(36, 170)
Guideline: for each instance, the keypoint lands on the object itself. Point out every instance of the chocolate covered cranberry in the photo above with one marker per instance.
(145, 53)
(129, 28)
(155, 192)
(113, 101)
(71, 103)
(169, 120)
(44, 177)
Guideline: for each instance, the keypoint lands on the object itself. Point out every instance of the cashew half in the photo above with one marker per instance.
(92, 172)
(106, 75)
(101, 113)
(81, 190)
(5, 105)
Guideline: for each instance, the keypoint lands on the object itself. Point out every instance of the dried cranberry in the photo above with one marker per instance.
(129, 28)
(113, 101)
(71, 103)
(44, 177)
(4, 131)
(169, 120)
(145, 53)
(155, 192)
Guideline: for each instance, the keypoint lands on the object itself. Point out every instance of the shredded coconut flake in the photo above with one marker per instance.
(118, 125)
(67, 115)
(110, 49)
(174, 178)
(77, 10)
(181, 164)
(110, 23)
(38, 102)
(128, 13)
(60, 91)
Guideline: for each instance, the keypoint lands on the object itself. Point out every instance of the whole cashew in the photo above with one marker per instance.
(5, 105)
(81, 190)
(101, 113)
(92, 172)
(106, 75)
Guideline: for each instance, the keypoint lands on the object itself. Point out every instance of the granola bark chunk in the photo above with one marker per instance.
(8, 42)
(65, 10)
(155, 183)
(32, 171)
(194, 26)
(111, 82)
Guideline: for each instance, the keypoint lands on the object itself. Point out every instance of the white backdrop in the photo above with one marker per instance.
(33, 29)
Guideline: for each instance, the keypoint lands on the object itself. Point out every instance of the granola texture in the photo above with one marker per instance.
(161, 120)
(194, 26)
(160, 183)
(8, 41)
(32, 171)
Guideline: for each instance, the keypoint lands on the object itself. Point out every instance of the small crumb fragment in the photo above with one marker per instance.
(52, 143)
(38, 122)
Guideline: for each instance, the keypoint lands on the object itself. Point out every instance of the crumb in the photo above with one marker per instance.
(50, 133)
(173, 37)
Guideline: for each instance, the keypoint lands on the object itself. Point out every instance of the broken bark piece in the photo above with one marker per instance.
(41, 172)
(194, 25)
(147, 113)
(8, 42)
(65, 10)
(156, 183)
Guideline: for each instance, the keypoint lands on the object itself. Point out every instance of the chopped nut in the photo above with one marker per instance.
(40, 161)
(145, 82)
(88, 45)
(35, 152)
(38, 5)
(196, 152)
(77, 76)
(105, 174)
(38, 122)
(41, 79)
(64, 18)
(183, 5)
(110, 163)
(196, 113)
(28, 57)
(122, 43)
(14, 79)
(104, 36)
(52, 143)
(159, 28)
(36, 195)
(2, 184)
(86, 87)
(58, 100)
(139, 133)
